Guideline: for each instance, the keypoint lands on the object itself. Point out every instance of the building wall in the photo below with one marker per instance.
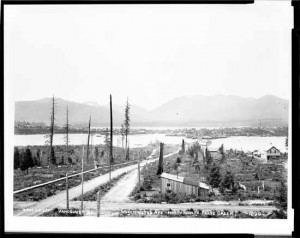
(175, 186)
(203, 192)
(273, 152)
(178, 187)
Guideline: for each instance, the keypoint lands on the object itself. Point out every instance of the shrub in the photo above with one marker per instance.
(278, 214)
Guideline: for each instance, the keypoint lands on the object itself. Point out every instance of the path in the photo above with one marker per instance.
(123, 188)
(38, 208)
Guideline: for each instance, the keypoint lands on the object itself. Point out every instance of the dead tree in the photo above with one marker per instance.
(127, 128)
(67, 134)
(88, 142)
(160, 161)
(49, 141)
(111, 133)
(183, 146)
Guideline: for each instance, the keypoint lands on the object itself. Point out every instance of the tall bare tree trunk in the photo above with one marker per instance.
(52, 156)
(88, 143)
(111, 133)
(127, 128)
(111, 160)
(160, 161)
(67, 136)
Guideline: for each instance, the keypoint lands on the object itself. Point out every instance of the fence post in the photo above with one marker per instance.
(98, 204)
(67, 190)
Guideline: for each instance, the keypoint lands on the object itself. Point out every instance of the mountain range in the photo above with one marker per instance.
(218, 110)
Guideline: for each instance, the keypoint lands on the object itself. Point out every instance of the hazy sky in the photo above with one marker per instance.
(150, 53)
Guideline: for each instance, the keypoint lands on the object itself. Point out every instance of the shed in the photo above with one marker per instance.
(183, 185)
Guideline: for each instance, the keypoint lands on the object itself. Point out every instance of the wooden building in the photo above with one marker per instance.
(273, 153)
(178, 184)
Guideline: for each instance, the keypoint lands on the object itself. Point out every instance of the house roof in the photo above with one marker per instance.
(272, 148)
(185, 180)
(190, 181)
(172, 177)
(203, 185)
(195, 182)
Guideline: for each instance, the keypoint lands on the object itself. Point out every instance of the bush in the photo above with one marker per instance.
(278, 214)
(137, 196)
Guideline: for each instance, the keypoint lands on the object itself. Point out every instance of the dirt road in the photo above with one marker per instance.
(38, 208)
(121, 191)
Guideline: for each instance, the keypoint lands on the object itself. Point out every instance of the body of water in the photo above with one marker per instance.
(236, 142)
(163, 127)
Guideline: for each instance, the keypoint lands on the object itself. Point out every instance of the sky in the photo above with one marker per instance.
(148, 53)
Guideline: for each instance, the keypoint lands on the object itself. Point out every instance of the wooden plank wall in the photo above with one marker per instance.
(178, 187)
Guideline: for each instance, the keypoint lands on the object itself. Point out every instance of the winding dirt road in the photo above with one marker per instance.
(121, 191)
(58, 200)
(117, 199)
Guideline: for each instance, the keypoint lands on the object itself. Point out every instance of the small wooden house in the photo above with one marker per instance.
(178, 184)
(273, 153)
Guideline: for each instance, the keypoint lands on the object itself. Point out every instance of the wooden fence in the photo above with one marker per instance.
(70, 176)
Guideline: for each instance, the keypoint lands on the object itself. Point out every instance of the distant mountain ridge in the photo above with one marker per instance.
(182, 111)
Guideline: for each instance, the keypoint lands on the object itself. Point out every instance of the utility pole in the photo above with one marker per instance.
(98, 204)
(139, 172)
(82, 180)
(93, 151)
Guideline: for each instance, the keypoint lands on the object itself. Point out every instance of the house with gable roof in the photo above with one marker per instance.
(273, 153)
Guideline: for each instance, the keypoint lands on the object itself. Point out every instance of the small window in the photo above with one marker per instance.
(168, 184)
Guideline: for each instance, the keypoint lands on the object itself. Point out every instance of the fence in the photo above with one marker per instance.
(70, 176)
